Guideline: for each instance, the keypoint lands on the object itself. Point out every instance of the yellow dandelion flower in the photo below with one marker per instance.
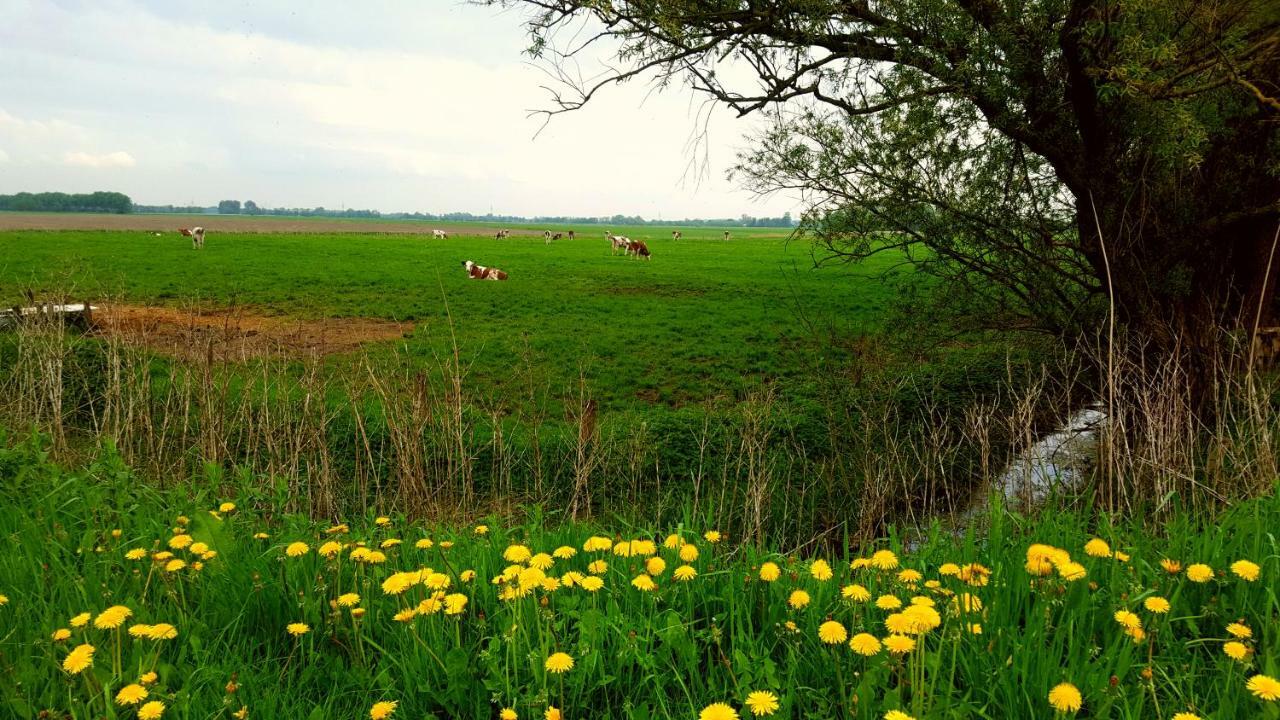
(713, 537)
(80, 620)
(61, 634)
(297, 549)
(298, 629)
(481, 530)
(948, 569)
(897, 715)
(508, 714)
(884, 560)
(855, 592)
(1127, 619)
(454, 603)
(820, 570)
(899, 624)
(382, 521)
(407, 614)
(899, 644)
(1239, 630)
(909, 576)
(718, 711)
(424, 544)
(1186, 716)
(1065, 697)
(832, 632)
(151, 711)
(78, 659)
(174, 565)
(688, 553)
(1199, 573)
(553, 713)
(592, 583)
(261, 536)
(685, 573)
(162, 631)
(517, 554)
(974, 628)
(1264, 687)
(597, 543)
(564, 552)
(598, 567)
(135, 554)
(1072, 571)
(644, 583)
(198, 548)
(1156, 604)
(798, 599)
(131, 695)
(559, 663)
(864, 644)
(791, 627)
(467, 576)
(888, 602)
(1173, 567)
(1236, 650)
(1098, 548)
(926, 601)
(111, 618)
(770, 572)
(348, 600)
(1120, 557)
(227, 507)
(178, 542)
(382, 709)
(975, 574)
(330, 549)
(542, 561)
(966, 603)
(762, 703)
(655, 566)
(148, 678)
(859, 563)
(1245, 570)
(139, 631)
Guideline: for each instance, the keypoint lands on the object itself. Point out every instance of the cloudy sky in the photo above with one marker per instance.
(387, 104)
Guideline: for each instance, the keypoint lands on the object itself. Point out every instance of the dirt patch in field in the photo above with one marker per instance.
(214, 224)
(237, 335)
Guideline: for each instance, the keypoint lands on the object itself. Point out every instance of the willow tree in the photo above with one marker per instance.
(1048, 157)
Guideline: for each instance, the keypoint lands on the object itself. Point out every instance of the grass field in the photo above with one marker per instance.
(120, 601)
(704, 319)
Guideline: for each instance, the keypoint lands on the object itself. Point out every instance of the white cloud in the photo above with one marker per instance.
(117, 159)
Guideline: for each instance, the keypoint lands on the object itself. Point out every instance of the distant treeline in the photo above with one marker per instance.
(249, 207)
(99, 202)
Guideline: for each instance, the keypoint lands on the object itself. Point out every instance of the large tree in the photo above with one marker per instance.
(1044, 156)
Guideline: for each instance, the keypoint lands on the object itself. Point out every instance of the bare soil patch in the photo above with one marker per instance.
(237, 335)
(235, 223)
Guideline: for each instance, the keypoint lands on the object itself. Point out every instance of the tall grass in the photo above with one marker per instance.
(1006, 634)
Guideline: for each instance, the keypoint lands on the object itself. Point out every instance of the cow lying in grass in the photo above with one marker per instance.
(480, 272)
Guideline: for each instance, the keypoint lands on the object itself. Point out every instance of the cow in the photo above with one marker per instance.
(546, 236)
(439, 235)
(196, 234)
(502, 234)
(675, 235)
(480, 272)
(557, 236)
(570, 234)
(726, 234)
(637, 248)
(617, 242)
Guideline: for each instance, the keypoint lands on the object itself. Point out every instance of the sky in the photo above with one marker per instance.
(410, 105)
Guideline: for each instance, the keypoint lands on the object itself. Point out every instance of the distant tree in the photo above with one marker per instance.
(229, 207)
(251, 208)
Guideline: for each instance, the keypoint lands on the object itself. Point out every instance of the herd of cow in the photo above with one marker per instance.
(633, 248)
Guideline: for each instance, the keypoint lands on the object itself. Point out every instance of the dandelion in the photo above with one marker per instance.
(508, 714)
(174, 565)
(564, 552)
(78, 659)
(770, 572)
(899, 644)
(1127, 620)
(131, 695)
(592, 583)
(135, 554)
(111, 618)
(481, 530)
(598, 567)
(151, 711)
(1098, 548)
(855, 592)
(713, 537)
(820, 570)
(1065, 697)
(198, 548)
(1173, 567)
(80, 620)
(162, 631)
(1264, 687)
(798, 599)
(832, 632)
(406, 615)
(454, 604)
(597, 543)
(1156, 604)
(685, 573)
(424, 544)
(178, 542)
(688, 553)
(974, 628)
(948, 569)
(655, 566)
(1245, 570)
(1072, 571)
(382, 709)
(298, 629)
(542, 561)
(382, 521)
(330, 549)
(226, 507)
(297, 549)
(61, 634)
(718, 711)
(1236, 650)
(559, 663)
(1186, 716)
(348, 600)
(553, 713)
(1239, 630)
(261, 536)
(888, 602)
(644, 583)
(897, 715)
(148, 678)
(864, 644)
(1199, 573)
(467, 576)
(884, 560)
(909, 576)
(762, 703)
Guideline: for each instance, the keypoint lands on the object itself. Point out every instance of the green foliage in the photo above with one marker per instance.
(98, 202)
(661, 654)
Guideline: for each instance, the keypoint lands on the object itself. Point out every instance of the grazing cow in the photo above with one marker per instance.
(503, 234)
(570, 234)
(439, 235)
(196, 234)
(617, 242)
(726, 234)
(637, 248)
(480, 272)
(675, 235)
(557, 236)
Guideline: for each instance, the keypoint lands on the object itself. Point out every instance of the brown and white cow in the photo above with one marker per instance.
(617, 242)
(439, 235)
(196, 234)
(676, 235)
(570, 234)
(637, 248)
(480, 272)
(726, 234)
